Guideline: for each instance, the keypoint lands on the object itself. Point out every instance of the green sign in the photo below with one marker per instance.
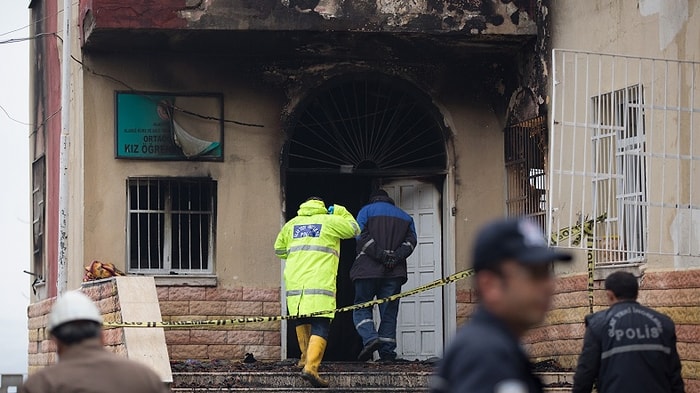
(169, 127)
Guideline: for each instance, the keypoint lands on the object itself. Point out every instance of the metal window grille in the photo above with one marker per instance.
(623, 145)
(171, 225)
(369, 126)
(38, 214)
(525, 157)
(619, 165)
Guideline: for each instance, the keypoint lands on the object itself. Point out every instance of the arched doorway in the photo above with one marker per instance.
(357, 133)
(367, 125)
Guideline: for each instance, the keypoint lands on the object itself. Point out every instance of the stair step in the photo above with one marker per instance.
(291, 380)
(348, 382)
(305, 389)
(549, 378)
(562, 381)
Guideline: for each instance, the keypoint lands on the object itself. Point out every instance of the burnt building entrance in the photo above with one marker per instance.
(355, 134)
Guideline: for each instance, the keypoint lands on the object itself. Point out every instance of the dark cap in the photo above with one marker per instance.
(517, 239)
(379, 193)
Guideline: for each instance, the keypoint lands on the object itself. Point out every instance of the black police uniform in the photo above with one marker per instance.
(486, 357)
(629, 348)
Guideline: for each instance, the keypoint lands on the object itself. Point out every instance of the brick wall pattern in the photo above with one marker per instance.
(42, 351)
(177, 304)
(263, 340)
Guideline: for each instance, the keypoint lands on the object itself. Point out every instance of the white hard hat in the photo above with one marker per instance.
(73, 306)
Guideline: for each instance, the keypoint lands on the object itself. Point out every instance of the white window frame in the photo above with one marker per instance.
(166, 250)
(620, 186)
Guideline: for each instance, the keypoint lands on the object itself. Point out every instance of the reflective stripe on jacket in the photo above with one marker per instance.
(384, 227)
(310, 242)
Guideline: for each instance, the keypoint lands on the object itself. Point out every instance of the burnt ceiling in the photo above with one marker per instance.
(115, 24)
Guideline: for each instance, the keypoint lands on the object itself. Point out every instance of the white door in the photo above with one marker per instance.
(420, 324)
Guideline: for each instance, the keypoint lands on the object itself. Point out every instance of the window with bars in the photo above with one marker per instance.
(525, 152)
(619, 183)
(38, 216)
(171, 225)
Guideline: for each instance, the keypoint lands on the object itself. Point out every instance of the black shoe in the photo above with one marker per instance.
(391, 359)
(368, 350)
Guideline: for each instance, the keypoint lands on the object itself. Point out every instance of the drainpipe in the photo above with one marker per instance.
(62, 279)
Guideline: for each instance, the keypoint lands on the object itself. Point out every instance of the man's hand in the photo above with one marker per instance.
(403, 252)
(389, 260)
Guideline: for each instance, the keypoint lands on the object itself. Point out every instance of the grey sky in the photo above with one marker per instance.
(14, 194)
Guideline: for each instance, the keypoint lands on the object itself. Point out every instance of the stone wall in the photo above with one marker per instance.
(466, 303)
(263, 340)
(675, 293)
(118, 299)
(42, 351)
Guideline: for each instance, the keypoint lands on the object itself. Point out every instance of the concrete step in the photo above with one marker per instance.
(292, 380)
(341, 382)
(557, 382)
(301, 390)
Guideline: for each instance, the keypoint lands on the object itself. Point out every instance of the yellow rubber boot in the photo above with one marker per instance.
(303, 336)
(314, 355)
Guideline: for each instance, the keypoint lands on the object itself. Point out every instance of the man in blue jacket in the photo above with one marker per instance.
(388, 237)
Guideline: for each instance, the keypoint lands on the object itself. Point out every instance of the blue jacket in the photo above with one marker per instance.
(485, 357)
(384, 227)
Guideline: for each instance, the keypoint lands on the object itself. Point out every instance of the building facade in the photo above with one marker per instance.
(198, 127)
(197, 130)
(623, 158)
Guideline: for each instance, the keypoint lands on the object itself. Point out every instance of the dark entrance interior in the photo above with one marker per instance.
(352, 192)
(342, 141)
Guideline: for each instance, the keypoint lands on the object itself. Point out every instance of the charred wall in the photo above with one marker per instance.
(469, 16)
(530, 99)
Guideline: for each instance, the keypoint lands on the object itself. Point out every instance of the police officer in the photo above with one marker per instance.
(628, 347)
(84, 365)
(514, 281)
(310, 242)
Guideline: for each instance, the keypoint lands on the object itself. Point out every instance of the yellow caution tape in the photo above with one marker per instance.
(242, 320)
(576, 232)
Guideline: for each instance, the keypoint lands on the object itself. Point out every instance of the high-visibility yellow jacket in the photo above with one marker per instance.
(310, 242)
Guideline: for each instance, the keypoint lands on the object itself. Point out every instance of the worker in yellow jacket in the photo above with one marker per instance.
(310, 242)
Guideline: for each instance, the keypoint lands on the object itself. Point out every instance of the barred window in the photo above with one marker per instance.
(620, 186)
(38, 217)
(525, 152)
(171, 225)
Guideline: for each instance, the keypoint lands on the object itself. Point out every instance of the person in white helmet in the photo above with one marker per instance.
(75, 324)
